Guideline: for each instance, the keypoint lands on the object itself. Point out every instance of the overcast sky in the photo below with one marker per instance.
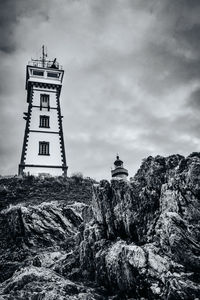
(132, 78)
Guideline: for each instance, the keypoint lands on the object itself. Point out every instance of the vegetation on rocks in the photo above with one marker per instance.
(35, 190)
(76, 239)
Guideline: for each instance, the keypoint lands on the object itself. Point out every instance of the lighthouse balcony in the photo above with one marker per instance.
(51, 76)
(119, 172)
(49, 64)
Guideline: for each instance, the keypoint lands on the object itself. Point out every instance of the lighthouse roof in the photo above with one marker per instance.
(44, 62)
(118, 162)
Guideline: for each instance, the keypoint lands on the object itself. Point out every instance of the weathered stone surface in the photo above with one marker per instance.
(144, 240)
(138, 239)
(37, 243)
(41, 283)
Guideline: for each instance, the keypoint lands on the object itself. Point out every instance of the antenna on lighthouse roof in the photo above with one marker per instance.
(44, 55)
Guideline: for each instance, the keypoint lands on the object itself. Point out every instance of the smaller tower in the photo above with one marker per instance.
(119, 170)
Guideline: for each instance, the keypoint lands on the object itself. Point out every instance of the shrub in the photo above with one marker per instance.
(77, 177)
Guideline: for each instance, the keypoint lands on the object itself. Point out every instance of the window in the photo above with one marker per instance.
(53, 75)
(44, 121)
(44, 101)
(44, 148)
(38, 73)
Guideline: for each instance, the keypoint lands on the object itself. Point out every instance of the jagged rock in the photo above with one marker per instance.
(137, 240)
(41, 283)
(35, 234)
(144, 240)
(37, 262)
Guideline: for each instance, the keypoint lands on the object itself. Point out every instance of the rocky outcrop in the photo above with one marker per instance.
(37, 247)
(38, 283)
(144, 239)
(133, 240)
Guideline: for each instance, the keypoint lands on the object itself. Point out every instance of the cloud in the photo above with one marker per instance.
(131, 77)
(11, 12)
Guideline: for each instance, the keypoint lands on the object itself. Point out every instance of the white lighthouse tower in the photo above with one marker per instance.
(43, 149)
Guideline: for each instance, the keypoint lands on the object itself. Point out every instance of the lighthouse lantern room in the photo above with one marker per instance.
(43, 150)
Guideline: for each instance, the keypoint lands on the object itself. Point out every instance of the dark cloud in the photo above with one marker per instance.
(131, 82)
(11, 12)
(8, 20)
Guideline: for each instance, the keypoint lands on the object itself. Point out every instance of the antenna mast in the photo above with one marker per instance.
(43, 56)
(44, 62)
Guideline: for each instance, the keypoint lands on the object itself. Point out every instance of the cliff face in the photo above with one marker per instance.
(39, 237)
(38, 245)
(144, 239)
(130, 240)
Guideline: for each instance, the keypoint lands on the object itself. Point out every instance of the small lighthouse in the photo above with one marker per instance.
(43, 151)
(119, 171)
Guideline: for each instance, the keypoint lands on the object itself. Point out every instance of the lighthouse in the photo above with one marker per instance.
(119, 171)
(43, 151)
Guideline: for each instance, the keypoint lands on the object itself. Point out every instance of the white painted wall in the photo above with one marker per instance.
(53, 119)
(36, 96)
(38, 171)
(32, 156)
(52, 113)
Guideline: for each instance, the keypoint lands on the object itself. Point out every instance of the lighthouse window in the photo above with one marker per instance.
(44, 121)
(53, 75)
(44, 101)
(38, 73)
(43, 148)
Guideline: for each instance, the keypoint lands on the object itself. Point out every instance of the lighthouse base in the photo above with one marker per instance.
(38, 170)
